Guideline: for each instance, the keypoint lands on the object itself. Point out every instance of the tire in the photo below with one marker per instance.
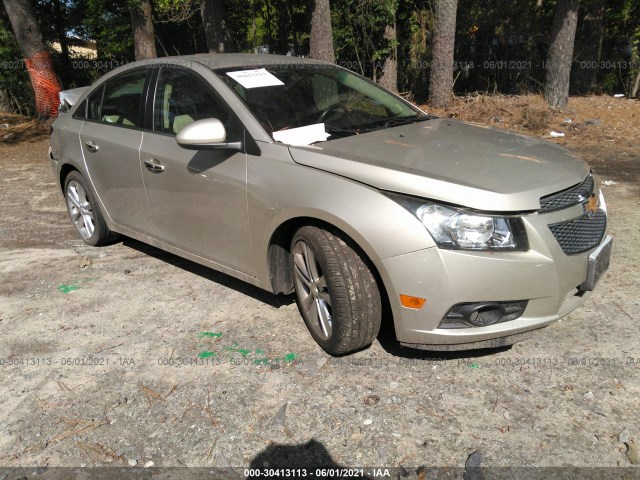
(337, 294)
(84, 212)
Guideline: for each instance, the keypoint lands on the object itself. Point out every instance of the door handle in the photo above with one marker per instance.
(91, 146)
(154, 165)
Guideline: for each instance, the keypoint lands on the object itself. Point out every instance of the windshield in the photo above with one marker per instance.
(306, 103)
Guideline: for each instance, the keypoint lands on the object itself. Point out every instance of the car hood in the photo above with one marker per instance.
(466, 164)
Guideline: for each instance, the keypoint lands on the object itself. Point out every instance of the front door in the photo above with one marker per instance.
(197, 199)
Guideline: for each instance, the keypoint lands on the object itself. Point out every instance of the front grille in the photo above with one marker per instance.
(568, 198)
(582, 233)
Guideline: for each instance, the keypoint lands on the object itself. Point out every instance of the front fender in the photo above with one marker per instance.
(281, 190)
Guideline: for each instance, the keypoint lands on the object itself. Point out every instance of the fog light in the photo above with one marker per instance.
(482, 314)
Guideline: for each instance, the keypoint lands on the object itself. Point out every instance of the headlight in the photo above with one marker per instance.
(456, 228)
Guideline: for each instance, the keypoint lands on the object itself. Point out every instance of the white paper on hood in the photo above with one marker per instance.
(302, 135)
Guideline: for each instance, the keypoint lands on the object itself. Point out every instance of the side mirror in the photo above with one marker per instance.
(207, 134)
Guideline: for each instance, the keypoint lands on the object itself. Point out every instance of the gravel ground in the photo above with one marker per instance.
(126, 355)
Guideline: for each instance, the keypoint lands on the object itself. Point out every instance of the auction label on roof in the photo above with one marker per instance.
(255, 78)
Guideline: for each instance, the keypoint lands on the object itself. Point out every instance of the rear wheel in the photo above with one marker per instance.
(84, 212)
(337, 294)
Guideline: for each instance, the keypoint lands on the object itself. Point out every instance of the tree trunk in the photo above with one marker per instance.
(588, 46)
(283, 27)
(636, 86)
(321, 38)
(60, 31)
(24, 26)
(46, 85)
(219, 39)
(389, 78)
(144, 41)
(560, 58)
(254, 40)
(294, 33)
(444, 37)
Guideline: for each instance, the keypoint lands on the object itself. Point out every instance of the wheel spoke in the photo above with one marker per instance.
(311, 264)
(74, 213)
(306, 254)
(308, 303)
(73, 196)
(312, 313)
(324, 317)
(82, 196)
(326, 298)
(301, 271)
(300, 260)
(321, 283)
(88, 223)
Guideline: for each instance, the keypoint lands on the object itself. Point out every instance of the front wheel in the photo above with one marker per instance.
(84, 212)
(337, 294)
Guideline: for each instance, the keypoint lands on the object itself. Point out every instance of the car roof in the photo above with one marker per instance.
(233, 60)
(212, 61)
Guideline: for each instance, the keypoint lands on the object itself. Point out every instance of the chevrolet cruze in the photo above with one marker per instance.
(296, 175)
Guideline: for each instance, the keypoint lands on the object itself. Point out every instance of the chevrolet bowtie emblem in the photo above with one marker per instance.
(592, 205)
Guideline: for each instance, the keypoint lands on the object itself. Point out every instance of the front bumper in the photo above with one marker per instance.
(544, 275)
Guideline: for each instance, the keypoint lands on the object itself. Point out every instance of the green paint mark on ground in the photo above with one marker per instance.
(207, 354)
(67, 288)
(258, 355)
(290, 357)
(474, 365)
(210, 335)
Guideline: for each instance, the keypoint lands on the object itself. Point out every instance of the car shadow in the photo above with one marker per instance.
(275, 301)
(311, 459)
(386, 337)
(390, 344)
(204, 160)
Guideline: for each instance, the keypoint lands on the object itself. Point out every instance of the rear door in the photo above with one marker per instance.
(197, 199)
(110, 140)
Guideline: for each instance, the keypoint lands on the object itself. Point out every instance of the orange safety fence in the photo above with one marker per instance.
(45, 83)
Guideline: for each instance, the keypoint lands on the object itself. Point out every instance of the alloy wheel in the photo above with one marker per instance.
(80, 209)
(313, 291)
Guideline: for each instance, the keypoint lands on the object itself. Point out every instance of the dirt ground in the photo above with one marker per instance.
(129, 356)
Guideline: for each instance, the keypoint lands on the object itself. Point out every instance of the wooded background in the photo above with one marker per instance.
(425, 50)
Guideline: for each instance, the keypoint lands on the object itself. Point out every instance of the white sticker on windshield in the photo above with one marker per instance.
(255, 78)
(302, 135)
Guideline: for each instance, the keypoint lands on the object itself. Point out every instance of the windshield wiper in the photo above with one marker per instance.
(369, 127)
(343, 132)
(394, 122)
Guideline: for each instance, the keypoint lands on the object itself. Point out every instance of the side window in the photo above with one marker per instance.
(94, 101)
(81, 111)
(122, 100)
(182, 98)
